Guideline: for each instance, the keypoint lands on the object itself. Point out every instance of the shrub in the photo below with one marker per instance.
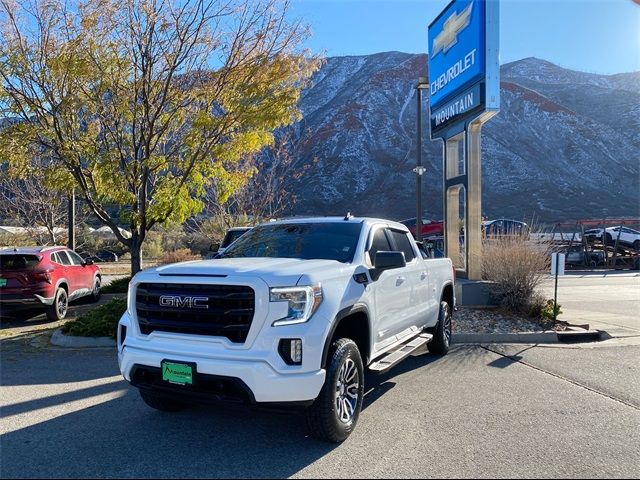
(548, 310)
(99, 322)
(117, 286)
(180, 255)
(516, 267)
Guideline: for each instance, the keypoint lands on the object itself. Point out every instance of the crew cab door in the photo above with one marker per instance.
(391, 291)
(418, 281)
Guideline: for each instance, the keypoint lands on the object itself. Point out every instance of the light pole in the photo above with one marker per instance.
(71, 241)
(419, 170)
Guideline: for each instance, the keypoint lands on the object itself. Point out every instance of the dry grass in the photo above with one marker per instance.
(180, 255)
(516, 265)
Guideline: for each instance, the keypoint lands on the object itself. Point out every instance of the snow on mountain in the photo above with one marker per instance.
(565, 144)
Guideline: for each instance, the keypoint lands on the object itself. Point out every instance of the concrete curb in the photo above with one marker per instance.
(59, 339)
(532, 337)
(570, 336)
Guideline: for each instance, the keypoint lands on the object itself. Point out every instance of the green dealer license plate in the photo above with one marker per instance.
(3, 282)
(177, 373)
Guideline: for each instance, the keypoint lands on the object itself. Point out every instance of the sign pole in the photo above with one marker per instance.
(419, 164)
(555, 293)
(464, 76)
(473, 210)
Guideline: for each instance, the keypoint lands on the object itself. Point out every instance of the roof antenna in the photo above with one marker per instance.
(348, 217)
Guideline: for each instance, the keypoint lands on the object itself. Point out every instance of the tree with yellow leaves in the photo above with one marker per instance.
(141, 104)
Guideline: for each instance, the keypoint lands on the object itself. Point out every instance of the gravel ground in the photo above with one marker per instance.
(494, 320)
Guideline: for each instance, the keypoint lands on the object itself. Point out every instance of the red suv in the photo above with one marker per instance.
(50, 277)
(430, 228)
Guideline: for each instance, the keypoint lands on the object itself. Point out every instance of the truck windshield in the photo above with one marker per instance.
(307, 241)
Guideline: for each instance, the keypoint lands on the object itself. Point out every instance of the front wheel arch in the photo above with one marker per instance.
(353, 323)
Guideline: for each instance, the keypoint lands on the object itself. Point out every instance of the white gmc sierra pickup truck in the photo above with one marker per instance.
(291, 313)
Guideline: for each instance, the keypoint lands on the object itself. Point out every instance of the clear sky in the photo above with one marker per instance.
(598, 36)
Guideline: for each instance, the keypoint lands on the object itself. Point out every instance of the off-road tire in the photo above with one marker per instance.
(441, 340)
(322, 417)
(60, 306)
(162, 403)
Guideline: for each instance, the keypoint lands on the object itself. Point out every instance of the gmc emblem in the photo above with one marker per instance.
(178, 301)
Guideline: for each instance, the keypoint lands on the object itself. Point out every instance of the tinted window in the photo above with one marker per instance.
(18, 262)
(309, 241)
(63, 257)
(75, 258)
(379, 244)
(403, 244)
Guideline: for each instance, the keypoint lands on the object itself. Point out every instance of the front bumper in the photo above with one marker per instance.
(263, 382)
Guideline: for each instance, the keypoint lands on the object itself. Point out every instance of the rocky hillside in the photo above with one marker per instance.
(565, 144)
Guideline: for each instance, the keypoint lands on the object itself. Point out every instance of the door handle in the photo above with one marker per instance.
(400, 281)
(423, 275)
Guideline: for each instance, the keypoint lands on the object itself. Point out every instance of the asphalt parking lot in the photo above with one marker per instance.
(538, 412)
(482, 411)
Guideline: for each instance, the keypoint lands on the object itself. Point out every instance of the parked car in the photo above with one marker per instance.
(429, 227)
(47, 277)
(107, 256)
(231, 236)
(503, 226)
(593, 234)
(292, 313)
(624, 235)
(433, 247)
(576, 256)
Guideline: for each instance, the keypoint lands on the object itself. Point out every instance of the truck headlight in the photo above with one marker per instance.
(302, 301)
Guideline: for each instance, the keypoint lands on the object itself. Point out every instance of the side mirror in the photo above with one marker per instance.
(214, 247)
(88, 261)
(389, 260)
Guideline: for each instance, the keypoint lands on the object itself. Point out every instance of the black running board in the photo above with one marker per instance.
(394, 357)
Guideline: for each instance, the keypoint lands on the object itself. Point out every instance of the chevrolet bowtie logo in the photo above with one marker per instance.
(448, 37)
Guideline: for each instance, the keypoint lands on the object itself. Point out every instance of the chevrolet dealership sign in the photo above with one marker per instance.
(463, 65)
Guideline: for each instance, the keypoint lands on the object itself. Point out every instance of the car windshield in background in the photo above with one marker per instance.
(307, 241)
(18, 262)
(232, 236)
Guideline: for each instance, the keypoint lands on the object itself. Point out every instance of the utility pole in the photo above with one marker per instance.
(71, 243)
(419, 170)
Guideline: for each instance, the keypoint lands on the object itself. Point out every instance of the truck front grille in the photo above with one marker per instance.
(216, 310)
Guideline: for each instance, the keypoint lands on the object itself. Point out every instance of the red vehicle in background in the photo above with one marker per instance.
(430, 228)
(48, 277)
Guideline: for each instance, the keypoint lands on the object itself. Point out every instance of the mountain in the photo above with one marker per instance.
(565, 144)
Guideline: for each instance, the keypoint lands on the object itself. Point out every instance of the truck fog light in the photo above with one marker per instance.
(290, 350)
